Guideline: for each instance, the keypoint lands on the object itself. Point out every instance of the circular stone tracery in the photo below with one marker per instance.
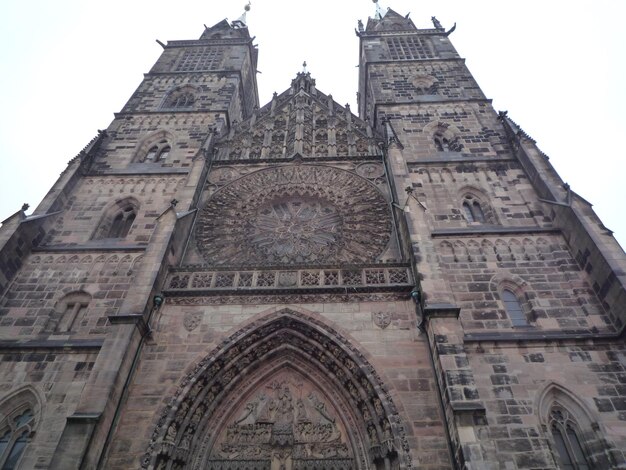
(297, 229)
(294, 214)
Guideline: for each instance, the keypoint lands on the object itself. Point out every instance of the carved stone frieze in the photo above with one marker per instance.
(288, 299)
(295, 214)
(262, 279)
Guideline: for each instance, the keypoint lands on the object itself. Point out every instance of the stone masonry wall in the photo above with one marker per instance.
(555, 293)
(57, 378)
(30, 309)
(513, 379)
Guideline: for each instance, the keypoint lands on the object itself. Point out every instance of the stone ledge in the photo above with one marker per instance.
(89, 247)
(304, 159)
(53, 344)
(441, 311)
(507, 336)
(84, 418)
(468, 407)
(491, 230)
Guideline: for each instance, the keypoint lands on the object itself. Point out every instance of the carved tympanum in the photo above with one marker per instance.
(286, 425)
(295, 214)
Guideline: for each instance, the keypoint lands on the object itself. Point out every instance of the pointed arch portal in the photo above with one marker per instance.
(284, 393)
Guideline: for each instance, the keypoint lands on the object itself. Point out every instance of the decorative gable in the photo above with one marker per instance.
(392, 21)
(300, 121)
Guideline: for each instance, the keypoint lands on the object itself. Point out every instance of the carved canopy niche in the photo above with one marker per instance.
(294, 214)
(286, 392)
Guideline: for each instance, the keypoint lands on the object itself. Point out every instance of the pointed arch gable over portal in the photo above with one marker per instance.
(284, 390)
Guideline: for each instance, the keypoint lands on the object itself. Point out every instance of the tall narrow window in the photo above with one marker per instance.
(567, 442)
(15, 438)
(441, 143)
(479, 215)
(473, 210)
(469, 214)
(122, 223)
(513, 308)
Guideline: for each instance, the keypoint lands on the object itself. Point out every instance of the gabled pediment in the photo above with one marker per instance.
(392, 21)
(300, 121)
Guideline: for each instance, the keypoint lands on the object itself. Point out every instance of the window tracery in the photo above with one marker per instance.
(567, 442)
(17, 428)
(158, 152)
(445, 143)
(118, 220)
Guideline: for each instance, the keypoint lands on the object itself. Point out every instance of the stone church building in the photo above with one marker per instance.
(215, 283)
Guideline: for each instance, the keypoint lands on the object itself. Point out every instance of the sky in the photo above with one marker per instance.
(558, 67)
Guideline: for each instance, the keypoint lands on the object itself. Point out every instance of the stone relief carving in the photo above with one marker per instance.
(286, 425)
(192, 320)
(370, 170)
(222, 175)
(382, 319)
(294, 214)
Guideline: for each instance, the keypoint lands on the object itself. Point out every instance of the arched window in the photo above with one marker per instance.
(473, 210)
(118, 220)
(180, 98)
(17, 428)
(183, 100)
(158, 152)
(441, 143)
(513, 308)
(122, 223)
(565, 434)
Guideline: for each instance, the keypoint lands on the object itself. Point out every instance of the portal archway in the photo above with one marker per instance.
(285, 392)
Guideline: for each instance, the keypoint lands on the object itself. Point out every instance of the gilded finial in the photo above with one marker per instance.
(304, 67)
(241, 21)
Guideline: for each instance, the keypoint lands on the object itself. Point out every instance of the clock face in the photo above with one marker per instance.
(295, 214)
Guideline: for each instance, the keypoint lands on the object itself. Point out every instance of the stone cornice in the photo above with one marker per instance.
(65, 344)
(491, 230)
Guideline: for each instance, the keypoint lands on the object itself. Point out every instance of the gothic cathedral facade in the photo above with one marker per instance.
(214, 284)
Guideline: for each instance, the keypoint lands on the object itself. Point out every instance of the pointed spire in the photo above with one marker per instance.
(241, 22)
(379, 11)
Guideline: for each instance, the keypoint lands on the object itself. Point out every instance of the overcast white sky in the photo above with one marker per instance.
(558, 67)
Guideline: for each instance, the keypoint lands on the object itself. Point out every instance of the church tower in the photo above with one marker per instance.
(215, 284)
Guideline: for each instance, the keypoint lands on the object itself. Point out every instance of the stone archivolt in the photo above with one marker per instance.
(295, 214)
(285, 392)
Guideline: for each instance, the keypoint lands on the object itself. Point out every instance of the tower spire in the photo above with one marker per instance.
(379, 11)
(241, 22)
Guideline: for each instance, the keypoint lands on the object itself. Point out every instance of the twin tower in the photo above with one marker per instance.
(214, 284)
